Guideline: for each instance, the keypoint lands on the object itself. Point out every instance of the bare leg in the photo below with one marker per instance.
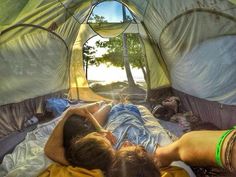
(102, 114)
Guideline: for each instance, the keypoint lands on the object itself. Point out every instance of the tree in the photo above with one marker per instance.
(97, 19)
(114, 54)
(89, 57)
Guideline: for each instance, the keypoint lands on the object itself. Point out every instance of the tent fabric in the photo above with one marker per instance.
(221, 115)
(79, 85)
(188, 26)
(188, 45)
(212, 64)
(109, 29)
(21, 65)
(14, 116)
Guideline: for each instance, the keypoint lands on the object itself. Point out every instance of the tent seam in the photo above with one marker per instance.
(68, 11)
(196, 10)
(35, 26)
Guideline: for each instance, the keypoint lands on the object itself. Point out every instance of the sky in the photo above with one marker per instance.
(109, 74)
(111, 10)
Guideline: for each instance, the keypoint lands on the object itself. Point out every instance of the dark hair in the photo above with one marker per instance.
(91, 153)
(133, 162)
(76, 126)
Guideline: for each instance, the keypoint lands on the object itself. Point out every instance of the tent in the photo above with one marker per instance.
(190, 50)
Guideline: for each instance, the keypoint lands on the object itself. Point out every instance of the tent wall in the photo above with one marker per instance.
(196, 40)
(14, 116)
(32, 64)
(212, 64)
(154, 65)
(35, 50)
(79, 85)
(192, 26)
(221, 115)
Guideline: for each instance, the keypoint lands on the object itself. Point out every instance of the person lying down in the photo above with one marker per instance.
(101, 138)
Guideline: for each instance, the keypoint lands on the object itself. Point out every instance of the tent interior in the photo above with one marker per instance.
(189, 50)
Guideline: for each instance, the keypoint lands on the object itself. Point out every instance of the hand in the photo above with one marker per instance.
(101, 103)
(127, 144)
(109, 136)
(114, 102)
(77, 110)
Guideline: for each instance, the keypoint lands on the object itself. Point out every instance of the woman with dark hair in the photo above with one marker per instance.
(66, 145)
(133, 161)
(90, 153)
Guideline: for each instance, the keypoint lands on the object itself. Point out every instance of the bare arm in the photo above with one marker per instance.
(195, 148)
(54, 147)
(99, 110)
(92, 107)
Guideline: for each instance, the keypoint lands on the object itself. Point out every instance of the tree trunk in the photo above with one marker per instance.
(86, 69)
(143, 71)
(125, 56)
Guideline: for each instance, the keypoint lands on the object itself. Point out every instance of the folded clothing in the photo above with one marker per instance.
(57, 105)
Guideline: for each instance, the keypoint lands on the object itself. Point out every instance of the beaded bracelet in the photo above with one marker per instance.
(228, 152)
(219, 147)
